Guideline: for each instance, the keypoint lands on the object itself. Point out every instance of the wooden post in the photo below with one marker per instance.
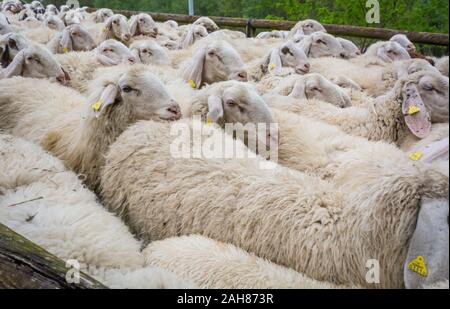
(24, 265)
(249, 29)
(441, 39)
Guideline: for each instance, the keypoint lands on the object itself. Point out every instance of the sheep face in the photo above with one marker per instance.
(169, 44)
(404, 42)
(64, 9)
(52, 9)
(76, 38)
(36, 62)
(315, 86)
(150, 52)
(112, 52)
(308, 27)
(320, 44)
(408, 67)
(195, 33)
(137, 93)
(72, 18)
(54, 22)
(10, 45)
(291, 56)
(5, 26)
(433, 89)
(208, 23)
(172, 24)
(242, 104)
(218, 61)
(117, 27)
(143, 24)
(350, 48)
(102, 15)
(392, 51)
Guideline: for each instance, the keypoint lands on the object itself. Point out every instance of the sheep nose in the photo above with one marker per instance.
(243, 76)
(175, 109)
(62, 79)
(303, 69)
(127, 37)
(343, 55)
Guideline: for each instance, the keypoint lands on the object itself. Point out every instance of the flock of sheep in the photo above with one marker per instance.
(87, 101)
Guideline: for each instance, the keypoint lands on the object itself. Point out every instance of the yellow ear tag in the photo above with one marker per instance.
(65, 50)
(209, 121)
(412, 110)
(272, 66)
(192, 84)
(416, 156)
(418, 266)
(97, 105)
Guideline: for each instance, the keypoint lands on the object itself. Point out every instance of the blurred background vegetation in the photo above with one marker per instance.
(413, 15)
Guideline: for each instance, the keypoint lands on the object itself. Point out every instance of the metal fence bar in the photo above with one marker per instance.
(441, 39)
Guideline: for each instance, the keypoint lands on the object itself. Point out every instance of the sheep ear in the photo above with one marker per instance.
(15, 68)
(134, 25)
(105, 60)
(189, 39)
(417, 117)
(194, 73)
(306, 44)
(275, 64)
(215, 109)
(4, 61)
(107, 98)
(382, 54)
(298, 91)
(66, 41)
(428, 252)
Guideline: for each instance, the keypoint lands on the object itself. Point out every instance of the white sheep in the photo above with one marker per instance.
(442, 65)
(288, 55)
(54, 22)
(79, 129)
(35, 61)
(150, 52)
(192, 34)
(11, 44)
(208, 23)
(321, 44)
(390, 51)
(5, 25)
(53, 209)
(81, 66)
(101, 15)
(116, 27)
(387, 117)
(214, 265)
(328, 230)
(307, 27)
(73, 38)
(403, 40)
(350, 48)
(143, 25)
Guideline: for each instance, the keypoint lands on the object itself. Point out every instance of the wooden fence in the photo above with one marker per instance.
(251, 25)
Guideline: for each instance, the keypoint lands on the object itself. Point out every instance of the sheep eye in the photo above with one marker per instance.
(428, 87)
(127, 89)
(316, 89)
(116, 22)
(231, 103)
(321, 42)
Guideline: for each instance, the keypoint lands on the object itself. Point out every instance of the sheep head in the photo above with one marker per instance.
(408, 67)
(403, 40)
(102, 15)
(218, 61)
(320, 44)
(208, 23)
(36, 62)
(350, 48)
(194, 33)
(112, 52)
(307, 27)
(52, 9)
(143, 24)
(287, 55)
(54, 22)
(12, 43)
(131, 92)
(315, 86)
(5, 26)
(150, 52)
(171, 24)
(392, 51)
(116, 27)
(76, 38)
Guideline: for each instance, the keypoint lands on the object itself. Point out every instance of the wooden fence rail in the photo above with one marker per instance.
(441, 39)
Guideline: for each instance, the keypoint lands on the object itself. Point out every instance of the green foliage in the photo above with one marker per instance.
(414, 15)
